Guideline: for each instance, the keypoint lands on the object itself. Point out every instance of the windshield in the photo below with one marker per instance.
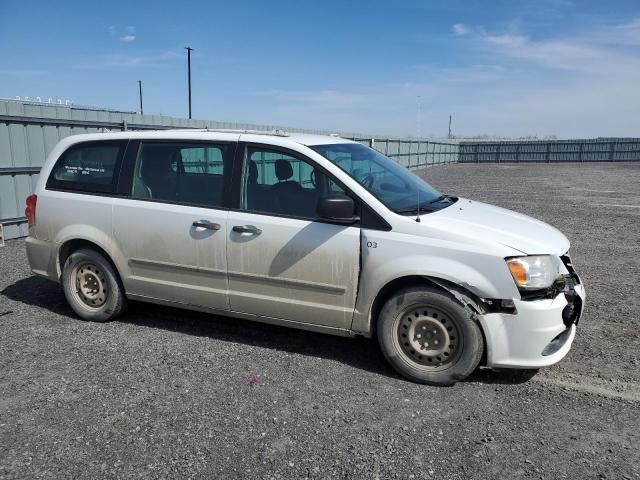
(392, 184)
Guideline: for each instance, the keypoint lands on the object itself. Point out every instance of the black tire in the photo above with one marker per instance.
(412, 318)
(92, 286)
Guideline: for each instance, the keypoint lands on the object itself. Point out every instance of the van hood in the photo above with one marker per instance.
(494, 224)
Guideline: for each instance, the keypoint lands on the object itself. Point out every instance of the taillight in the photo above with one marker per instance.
(30, 211)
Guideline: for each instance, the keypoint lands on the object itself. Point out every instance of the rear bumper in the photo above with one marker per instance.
(41, 258)
(536, 336)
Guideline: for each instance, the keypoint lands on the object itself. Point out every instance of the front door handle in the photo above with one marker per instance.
(247, 229)
(206, 224)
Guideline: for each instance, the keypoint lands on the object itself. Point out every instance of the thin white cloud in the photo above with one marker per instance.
(602, 107)
(585, 84)
(579, 85)
(559, 54)
(627, 34)
(507, 41)
(461, 29)
(127, 35)
(600, 51)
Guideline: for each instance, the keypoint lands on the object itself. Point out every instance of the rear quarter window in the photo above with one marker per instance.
(91, 167)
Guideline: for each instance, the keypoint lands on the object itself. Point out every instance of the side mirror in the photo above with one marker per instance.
(337, 207)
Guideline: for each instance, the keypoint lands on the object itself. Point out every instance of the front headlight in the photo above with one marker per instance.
(536, 271)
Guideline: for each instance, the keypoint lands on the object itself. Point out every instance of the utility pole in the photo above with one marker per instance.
(189, 50)
(449, 136)
(140, 94)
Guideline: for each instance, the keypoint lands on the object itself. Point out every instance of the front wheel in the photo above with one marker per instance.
(92, 286)
(429, 337)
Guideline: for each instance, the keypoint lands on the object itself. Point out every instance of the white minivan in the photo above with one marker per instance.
(308, 231)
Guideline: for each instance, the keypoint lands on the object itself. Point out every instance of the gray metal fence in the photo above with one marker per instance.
(414, 154)
(596, 150)
(29, 131)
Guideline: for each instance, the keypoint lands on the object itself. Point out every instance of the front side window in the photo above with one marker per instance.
(392, 184)
(88, 167)
(281, 184)
(181, 172)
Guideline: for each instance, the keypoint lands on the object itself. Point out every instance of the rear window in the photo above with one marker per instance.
(88, 167)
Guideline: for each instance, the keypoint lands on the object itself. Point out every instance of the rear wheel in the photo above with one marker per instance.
(429, 337)
(92, 286)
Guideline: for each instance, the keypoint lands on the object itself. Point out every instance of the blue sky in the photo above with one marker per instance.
(508, 68)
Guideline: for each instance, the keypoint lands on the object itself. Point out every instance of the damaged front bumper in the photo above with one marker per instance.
(539, 334)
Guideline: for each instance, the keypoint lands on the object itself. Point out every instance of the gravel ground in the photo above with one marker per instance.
(165, 393)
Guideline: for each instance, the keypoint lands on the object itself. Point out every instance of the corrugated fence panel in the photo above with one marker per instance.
(595, 150)
(626, 151)
(413, 154)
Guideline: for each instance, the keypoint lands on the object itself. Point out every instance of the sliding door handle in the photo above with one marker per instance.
(247, 229)
(206, 224)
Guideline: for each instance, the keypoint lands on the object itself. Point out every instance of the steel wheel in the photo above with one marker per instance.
(91, 286)
(428, 336)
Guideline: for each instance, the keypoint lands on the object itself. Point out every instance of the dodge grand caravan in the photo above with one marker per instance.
(314, 232)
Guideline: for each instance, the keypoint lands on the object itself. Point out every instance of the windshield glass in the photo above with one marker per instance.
(392, 184)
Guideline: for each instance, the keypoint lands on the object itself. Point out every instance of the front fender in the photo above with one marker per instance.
(485, 276)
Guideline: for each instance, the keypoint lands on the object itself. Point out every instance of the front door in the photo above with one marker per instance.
(173, 229)
(282, 262)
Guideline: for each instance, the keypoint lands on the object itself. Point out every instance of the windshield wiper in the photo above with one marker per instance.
(440, 198)
(422, 208)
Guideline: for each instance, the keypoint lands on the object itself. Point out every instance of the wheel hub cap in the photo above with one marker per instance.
(91, 285)
(427, 336)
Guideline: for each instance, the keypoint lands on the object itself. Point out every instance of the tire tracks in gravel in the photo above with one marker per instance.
(627, 391)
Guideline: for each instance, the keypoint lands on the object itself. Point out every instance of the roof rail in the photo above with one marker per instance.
(276, 133)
